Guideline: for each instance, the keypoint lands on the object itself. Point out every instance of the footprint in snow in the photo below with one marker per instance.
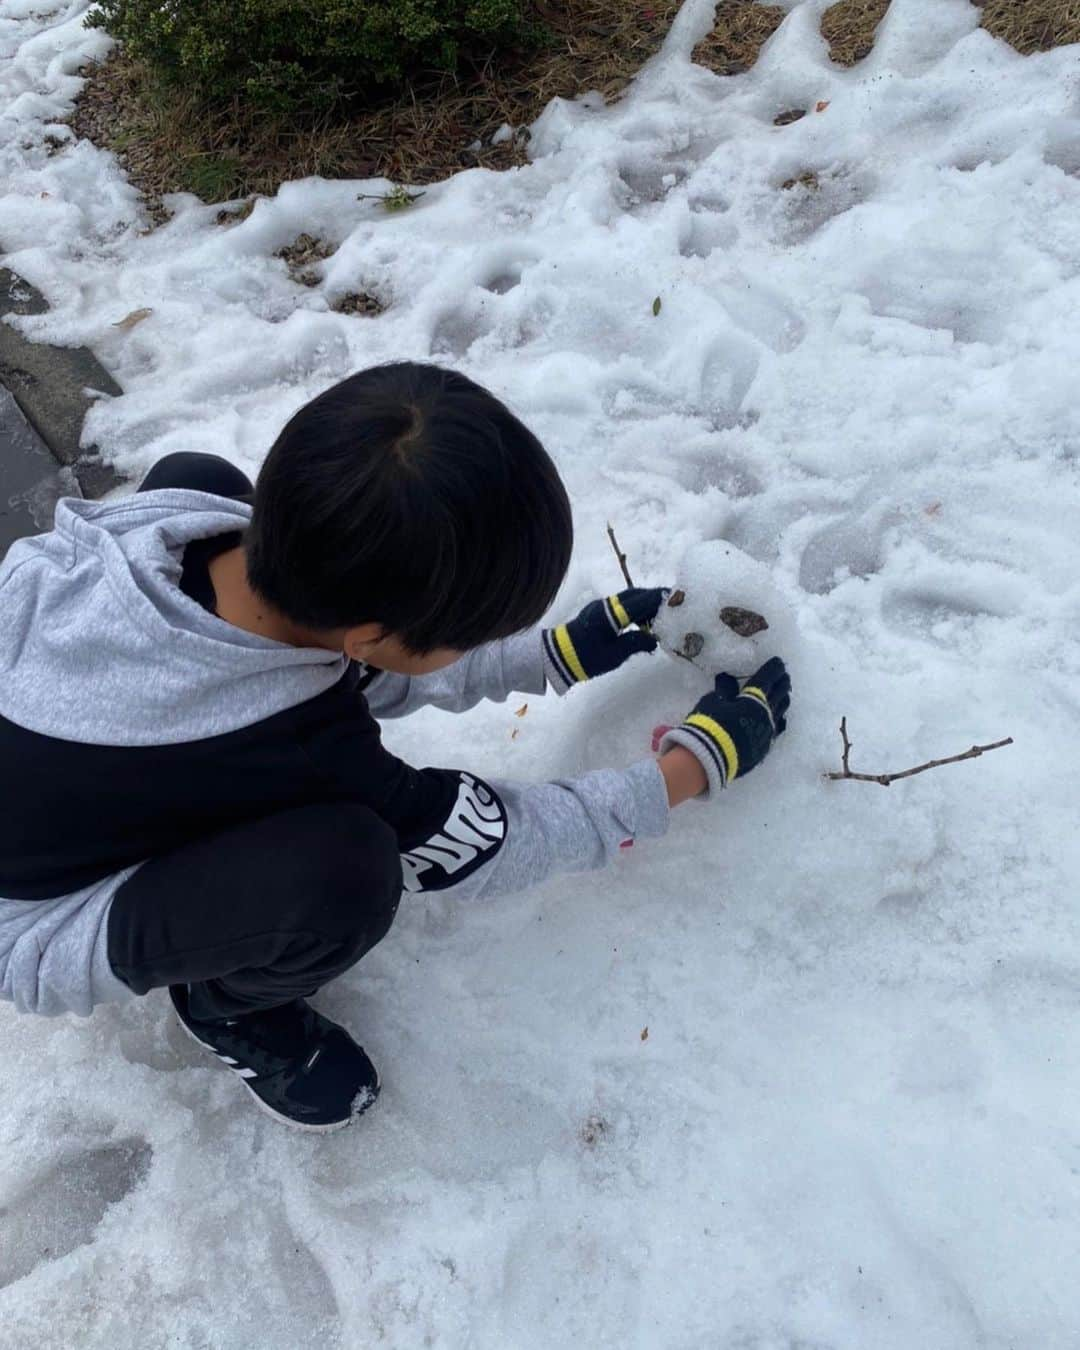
(505, 267)
(844, 548)
(912, 39)
(699, 469)
(456, 332)
(705, 231)
(650, 182)
(934, 616)
(504, 281)
(50, 1214)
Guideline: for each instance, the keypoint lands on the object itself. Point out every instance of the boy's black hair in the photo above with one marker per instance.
(409, 496)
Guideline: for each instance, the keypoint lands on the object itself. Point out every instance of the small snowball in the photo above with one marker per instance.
(717, 576)
(504, 133)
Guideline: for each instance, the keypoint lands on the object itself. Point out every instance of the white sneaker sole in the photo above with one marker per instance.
(263, 1106)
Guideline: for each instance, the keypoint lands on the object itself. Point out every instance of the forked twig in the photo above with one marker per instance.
(886, 778)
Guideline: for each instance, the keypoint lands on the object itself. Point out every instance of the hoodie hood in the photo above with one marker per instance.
(99, 644)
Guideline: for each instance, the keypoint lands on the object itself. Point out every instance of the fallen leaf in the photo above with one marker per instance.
(515, 733)
(656, 306)
(675, 599)
(520, 712)
(644, 1033)
(821, 105)
(130, 320)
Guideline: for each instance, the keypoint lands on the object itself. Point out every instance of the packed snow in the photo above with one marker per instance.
(806, 1073)
(718, 578)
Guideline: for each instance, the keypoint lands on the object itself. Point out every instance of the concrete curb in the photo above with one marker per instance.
(49, 383)
(31, 481)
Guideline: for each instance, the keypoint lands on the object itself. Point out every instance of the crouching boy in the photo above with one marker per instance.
(195, 795)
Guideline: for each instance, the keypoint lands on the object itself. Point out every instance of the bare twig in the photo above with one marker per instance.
(619, 554)
(886, 778)
(645, 627)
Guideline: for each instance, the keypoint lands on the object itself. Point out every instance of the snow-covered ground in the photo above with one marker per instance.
(854, 1123)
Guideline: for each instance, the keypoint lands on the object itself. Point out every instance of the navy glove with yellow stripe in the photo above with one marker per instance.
(601, 638)
(730, 731)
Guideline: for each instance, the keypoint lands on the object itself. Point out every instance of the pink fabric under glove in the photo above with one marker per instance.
(658, 734)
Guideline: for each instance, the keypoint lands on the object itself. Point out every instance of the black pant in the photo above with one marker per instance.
(260, 913)
(201, 473)
(263, 912)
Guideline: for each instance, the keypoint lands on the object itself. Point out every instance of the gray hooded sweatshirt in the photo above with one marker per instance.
(101, 650)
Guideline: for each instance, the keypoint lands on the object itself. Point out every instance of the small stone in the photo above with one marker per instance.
(693, 645)
(742, 621)
(675, 599)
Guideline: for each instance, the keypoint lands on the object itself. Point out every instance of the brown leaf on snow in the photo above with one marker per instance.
(821, 105)
(515, 733)
(644, 1033)
(520, 712)
(130, 320)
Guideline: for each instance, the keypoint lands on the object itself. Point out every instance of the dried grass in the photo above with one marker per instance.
(169, 141)
(1028, 25)
(741, 30)
(849, 26)
(304, 258)
(357, 302)
(1033, 25)
(305, 251)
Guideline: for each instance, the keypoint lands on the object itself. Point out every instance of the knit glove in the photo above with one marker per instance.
(730, 731)
(597, 640)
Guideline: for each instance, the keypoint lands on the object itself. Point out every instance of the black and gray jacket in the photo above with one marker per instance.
(132, 720)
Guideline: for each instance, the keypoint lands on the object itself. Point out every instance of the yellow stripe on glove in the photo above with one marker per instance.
(567, 652)
(619, 612)
(717, 733)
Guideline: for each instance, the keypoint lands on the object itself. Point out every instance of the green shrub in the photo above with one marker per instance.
(285, 57)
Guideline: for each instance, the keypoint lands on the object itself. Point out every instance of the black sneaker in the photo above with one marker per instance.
(303, 1069)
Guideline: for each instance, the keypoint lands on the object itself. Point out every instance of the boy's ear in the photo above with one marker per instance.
(360, 640)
